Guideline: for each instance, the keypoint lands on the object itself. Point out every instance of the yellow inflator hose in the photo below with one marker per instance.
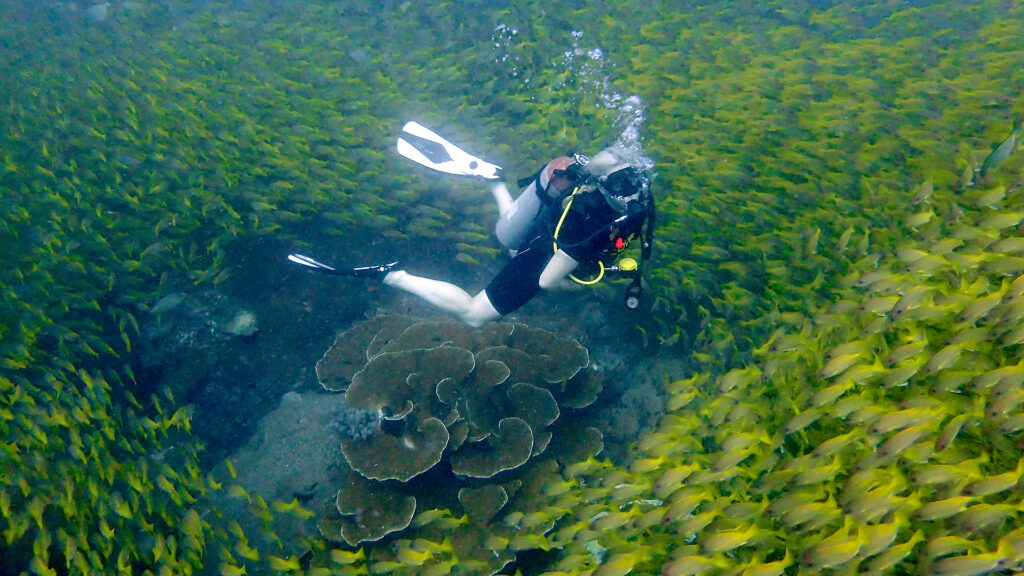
(558, 227)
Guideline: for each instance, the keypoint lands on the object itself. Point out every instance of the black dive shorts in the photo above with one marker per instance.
(519, 280)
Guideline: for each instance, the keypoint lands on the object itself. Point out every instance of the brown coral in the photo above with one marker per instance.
(466, 409)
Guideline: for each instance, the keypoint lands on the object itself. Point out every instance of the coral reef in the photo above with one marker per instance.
(485, 402)
(354, 423)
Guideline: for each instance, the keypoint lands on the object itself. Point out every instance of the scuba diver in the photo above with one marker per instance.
(573, 218)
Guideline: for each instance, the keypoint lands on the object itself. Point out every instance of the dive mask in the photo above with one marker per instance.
(575, 172)
(623, 187)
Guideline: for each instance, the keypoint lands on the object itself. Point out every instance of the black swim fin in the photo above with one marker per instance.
(376, 272)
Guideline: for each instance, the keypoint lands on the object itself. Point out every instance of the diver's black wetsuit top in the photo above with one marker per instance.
(518, 281)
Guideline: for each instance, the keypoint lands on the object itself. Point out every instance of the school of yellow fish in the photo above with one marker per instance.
(877, 435)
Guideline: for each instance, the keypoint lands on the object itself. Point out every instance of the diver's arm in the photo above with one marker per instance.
(516, 217)
(556, 274)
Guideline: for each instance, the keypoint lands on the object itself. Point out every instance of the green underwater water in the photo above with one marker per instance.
(789, 141)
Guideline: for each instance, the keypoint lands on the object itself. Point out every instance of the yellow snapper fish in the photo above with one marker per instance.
(904, 352)
(982, 515)
(727, 540)
(879, 306)
(995, 484)
(945, 358)
(974, 564)
(227, 569)
(1011, 245)
(951, 430)
(999, 154)
(825, 556)
(758, 567)
(919, 219)
(912, 298)
(924, 193)
(940, 546)
(942, 509)
(894, 555)
(1001, 220)
(695, 564)
(876, 538)
(907, 417)
(902, 440)
(841, 363)
(617, 565)
(802, 420)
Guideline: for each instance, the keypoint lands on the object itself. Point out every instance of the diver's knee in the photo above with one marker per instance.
(474, 322)
(480, 312)
(394, 278)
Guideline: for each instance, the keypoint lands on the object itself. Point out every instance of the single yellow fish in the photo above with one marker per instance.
(879, 305)
(290, 564)
(919, 219)
(727, 540)
(878, 537)
(802, 420)
(831, 555)
(696, 564)
(902, 419)
(894, 555)
(673, 479)
(840, 364)
(231, 570)
(995, 484)
(777, 568)
(982, 516)
(902, 440)
(924, 193)
(617, 565)
(940, 546)
(413, 557)
(942, 509)
(828, 395)
(1001, 220)
(950, 431)
(347, 557)
(944, 358)
(973, 564)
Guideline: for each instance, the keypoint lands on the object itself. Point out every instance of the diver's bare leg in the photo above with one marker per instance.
(473, 310)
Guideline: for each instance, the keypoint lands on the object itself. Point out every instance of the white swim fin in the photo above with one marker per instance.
(423, 146)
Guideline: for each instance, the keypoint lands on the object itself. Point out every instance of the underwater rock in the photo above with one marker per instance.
(243, 324)
(97, 12)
